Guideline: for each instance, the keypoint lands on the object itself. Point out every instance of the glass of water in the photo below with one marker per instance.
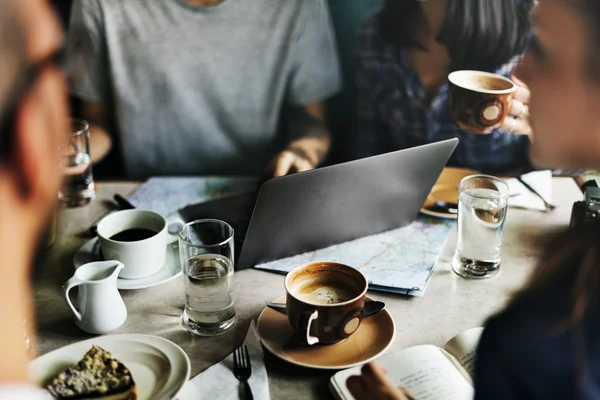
(483, 201)
(78, 181)
(206, 250)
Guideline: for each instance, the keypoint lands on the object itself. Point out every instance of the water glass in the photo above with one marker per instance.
(78, 181)
(206, 251)
(482, 205)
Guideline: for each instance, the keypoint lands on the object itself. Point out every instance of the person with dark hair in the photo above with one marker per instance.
(33, 116)
(207, 87)
(546, 343)
(403, 56)
(63, 9)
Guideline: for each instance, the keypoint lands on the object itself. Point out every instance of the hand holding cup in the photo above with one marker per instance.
(481, 102)
(518, 119)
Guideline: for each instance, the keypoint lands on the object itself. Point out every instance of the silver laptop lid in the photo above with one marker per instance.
(315, 209)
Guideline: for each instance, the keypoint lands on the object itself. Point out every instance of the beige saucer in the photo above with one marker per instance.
(446, 190)
(374, 336)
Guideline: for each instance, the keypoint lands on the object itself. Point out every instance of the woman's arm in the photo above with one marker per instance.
(369, 136)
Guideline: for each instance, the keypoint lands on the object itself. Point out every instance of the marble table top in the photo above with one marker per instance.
(451, 304)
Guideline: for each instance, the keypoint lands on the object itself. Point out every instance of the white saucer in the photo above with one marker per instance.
(90, 252)
(159, 367)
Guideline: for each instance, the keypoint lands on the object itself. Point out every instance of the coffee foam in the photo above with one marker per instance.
(481, 82)
(322, 291)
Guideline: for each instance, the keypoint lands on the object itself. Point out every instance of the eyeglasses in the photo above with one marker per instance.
(25, 82)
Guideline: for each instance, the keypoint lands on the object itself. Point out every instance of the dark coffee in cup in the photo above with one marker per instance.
(479, 101)
(133, 235)
(136, 238)
(325, 301)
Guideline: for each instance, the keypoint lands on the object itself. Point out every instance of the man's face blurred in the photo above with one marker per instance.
(46, 102)
(564, 114)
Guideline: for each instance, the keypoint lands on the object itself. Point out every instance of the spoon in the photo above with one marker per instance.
(174, 227)
(548, 206)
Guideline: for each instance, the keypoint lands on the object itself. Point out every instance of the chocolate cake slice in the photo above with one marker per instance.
(97, 376)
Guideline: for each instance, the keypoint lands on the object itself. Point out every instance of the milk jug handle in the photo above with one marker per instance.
(70, 284)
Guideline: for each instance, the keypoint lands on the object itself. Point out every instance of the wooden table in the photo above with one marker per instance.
(451, 304)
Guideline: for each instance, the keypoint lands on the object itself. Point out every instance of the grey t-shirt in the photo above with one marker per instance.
(199, 90)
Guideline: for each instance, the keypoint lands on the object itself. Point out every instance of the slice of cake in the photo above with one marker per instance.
(97, 376)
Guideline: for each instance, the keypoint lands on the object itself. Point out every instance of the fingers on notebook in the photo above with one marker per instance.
(374, 385)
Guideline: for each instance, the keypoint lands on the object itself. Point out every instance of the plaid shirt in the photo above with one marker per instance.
(393, 113)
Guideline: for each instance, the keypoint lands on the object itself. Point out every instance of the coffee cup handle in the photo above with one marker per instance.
(304, 325)
(70, 284)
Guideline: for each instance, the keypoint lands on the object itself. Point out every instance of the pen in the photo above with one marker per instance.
(123, 204)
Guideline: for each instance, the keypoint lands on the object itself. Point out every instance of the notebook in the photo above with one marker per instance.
(427, 371)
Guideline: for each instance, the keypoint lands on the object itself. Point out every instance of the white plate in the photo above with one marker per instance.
(438, 214)
(159, 367)
(90, 252)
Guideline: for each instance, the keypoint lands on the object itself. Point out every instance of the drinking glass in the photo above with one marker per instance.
(78, 181)
(206, 251)
(482, 206)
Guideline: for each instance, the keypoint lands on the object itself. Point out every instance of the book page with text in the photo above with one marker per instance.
(463, 348)
(428, 373)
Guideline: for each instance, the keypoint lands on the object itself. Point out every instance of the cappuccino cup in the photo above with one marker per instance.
(136, 238)
(325, 301)
(479, 101)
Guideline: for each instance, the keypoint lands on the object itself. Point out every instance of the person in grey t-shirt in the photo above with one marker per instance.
(198, 87)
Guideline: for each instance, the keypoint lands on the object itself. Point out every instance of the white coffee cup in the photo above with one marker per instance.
(141, 258)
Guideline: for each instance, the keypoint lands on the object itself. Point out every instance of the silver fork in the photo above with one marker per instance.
(242, 369)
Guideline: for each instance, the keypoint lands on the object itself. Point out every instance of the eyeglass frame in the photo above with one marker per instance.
(25, 84)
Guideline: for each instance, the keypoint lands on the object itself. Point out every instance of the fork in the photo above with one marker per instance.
(242, 369)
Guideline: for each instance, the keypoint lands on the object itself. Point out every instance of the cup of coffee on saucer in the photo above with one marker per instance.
(479, 101)
(136, 238)
(325, 302)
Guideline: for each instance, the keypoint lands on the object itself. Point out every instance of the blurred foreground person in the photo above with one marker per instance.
(207, 87)
(546, 344)
(33, 115)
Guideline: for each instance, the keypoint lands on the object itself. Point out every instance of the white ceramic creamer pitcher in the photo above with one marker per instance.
(99, 307)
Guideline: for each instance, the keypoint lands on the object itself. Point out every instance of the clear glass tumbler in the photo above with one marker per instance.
(206, 251)
(78, 181)
(482, 205)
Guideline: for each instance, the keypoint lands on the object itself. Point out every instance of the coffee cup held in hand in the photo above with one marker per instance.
(325, 301)
(479, 101)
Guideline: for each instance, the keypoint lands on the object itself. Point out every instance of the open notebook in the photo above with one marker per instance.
(429, 372)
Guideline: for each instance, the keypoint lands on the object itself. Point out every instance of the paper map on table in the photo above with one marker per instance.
(398, 261)
(168, 195)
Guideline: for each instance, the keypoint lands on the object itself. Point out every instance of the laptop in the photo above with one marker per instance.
(315, 209)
